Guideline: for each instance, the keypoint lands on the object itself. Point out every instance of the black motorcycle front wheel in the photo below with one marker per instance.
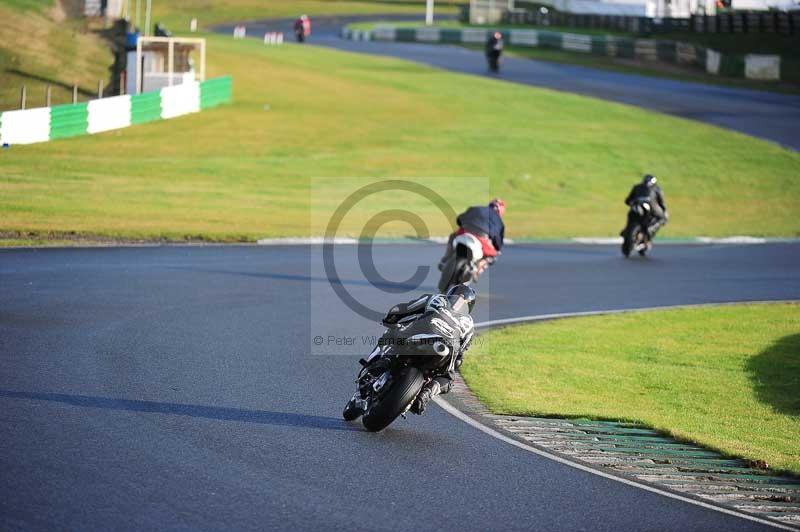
(629, 239)
(403, 389)
(351, 411)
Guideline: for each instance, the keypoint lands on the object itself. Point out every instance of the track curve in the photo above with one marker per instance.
(171, 388)
(767, 115)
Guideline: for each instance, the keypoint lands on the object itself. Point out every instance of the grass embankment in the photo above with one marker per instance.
(243, 171)
(727, 377)
(47, 42)
(788, 47)
(40, 46)
(177, 14)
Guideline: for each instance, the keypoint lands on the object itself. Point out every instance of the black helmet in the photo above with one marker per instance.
(460, 294)
(649, 180)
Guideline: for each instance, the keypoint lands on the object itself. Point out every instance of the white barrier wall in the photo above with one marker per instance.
(767, 67)
(577, 42)
(474, 35)
(428, 34)
(180, 100)
(525, 37)
(712, 61)
(25, 127)
(70, 120)
(109, 113)
(384, 33)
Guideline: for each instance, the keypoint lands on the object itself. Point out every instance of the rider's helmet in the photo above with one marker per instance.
(460, 295)
(498, 205)
(649, 180)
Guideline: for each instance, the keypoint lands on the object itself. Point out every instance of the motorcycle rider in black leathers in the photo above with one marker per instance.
(431, 317)
(494, 49)
(649, 190)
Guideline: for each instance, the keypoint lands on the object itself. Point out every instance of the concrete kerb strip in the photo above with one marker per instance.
(594, 241)
(439, 240)
(599, 472)
(653, 487)
(562, 315)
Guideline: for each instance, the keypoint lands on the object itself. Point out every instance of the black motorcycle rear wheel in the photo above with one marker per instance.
(453, 273)
(404, 389)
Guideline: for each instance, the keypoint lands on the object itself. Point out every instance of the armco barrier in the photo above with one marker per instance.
(62, 121)
(763, 67)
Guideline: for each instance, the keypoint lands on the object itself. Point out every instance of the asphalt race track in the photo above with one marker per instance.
(171, 388)
(767, 115)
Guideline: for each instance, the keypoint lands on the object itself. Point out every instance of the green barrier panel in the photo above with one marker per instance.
(730, 65)
(626, 48)
(405, 34)
(701, 57)
(450, 35)
(145, 107)
(68, 120)
(666, 51)
(549, 39)
(216, 92)
(599, 45)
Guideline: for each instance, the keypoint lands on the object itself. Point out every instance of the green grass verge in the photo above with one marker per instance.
(726, 377)
(243, 171)
(39, 46)
(177, 14)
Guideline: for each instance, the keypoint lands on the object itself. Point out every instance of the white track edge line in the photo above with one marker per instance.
(546, 317)
(453, 411)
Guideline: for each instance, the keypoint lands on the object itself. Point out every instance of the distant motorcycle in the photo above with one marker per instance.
(636, 235)
(494, 49)
(465, 264)
(388, 387)
(494, 62)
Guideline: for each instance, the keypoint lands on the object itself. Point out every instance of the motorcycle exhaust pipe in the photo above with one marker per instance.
(441, 349)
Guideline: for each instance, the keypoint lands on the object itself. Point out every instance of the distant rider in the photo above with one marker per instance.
(494, 49)
(486, 223)
(432, 317)
(648, 190)
(302, 28)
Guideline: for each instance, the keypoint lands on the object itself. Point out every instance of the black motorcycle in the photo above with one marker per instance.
(494, 50)
(391, 381)
(494, 62)
(636, 235)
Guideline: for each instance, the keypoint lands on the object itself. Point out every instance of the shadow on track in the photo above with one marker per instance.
(209, 412)
(307, 278)
(775, 374)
